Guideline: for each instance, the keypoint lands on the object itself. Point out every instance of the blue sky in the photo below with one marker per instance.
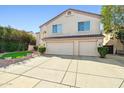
(30, 17)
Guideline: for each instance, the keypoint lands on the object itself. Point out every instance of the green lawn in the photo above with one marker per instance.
(15, 54)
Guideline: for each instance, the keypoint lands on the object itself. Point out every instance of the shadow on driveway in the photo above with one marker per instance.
(110, 59)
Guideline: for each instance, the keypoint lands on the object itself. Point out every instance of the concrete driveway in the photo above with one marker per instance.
(64, 72)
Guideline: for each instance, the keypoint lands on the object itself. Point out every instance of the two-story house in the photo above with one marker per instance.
(73, 32)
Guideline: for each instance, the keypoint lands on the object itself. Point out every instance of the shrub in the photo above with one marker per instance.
(42, 49)
(1, 51)
(35, 48)
(11, 46)
(103, 51)
(12, 39)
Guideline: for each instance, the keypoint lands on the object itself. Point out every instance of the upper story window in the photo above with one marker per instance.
(84, 26)
(57, 28)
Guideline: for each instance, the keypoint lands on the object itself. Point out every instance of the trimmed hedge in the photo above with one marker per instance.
(103, 51)
(11, 46)
(35, 48)
(42, 49)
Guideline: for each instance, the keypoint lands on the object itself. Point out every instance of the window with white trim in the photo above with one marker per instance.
(57, 28)
(84, 26)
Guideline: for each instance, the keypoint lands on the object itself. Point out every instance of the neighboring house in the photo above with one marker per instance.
(73, 32)
(38, 38)
(114, 45)
(31, 47)
(32, 33)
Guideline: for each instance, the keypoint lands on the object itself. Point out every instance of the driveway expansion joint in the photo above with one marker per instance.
(55, 69)
(76, 74)
(66, 71)
(33, 78)
(100, 75)
(10, 80)
(37, 84)
(36, 66)
(121, 84)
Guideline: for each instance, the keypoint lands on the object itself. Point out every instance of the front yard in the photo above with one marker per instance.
(7, 59)
(15, 54)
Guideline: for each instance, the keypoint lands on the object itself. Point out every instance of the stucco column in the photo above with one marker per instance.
(99, 42)
(76, 46)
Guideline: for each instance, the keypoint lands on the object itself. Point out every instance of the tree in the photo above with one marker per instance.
(13, 39)
(106, 18)
(120, 35)
(1, 32)
(113, 20)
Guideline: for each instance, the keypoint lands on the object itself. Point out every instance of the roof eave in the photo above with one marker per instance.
(68, 10)
(80, 36)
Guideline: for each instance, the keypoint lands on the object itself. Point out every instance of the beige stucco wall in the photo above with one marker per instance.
(70, 25)
(30, 47)
(38, 39)
(118, 44)
(72, 46)
(108, 40)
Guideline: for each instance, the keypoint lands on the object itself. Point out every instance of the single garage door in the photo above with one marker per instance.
(88, 48)
(62, 48)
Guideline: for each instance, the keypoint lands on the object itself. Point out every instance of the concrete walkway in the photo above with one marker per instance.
(64, 72)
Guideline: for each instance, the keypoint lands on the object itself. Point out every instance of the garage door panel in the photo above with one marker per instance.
(60, 48)
(88, 48)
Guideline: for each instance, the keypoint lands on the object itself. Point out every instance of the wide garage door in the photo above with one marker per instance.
(62, 48)
(88, 48)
